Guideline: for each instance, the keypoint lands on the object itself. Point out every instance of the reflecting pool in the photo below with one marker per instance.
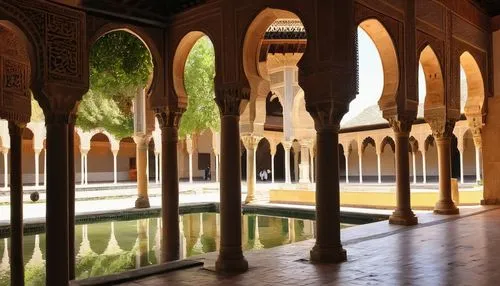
(110, 247)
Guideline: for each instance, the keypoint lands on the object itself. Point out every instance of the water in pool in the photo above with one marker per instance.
(111, 247)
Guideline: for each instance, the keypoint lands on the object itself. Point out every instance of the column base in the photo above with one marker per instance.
(232, 263)
(328, 255)
(446, 208)
(142, 203)
(403, 218)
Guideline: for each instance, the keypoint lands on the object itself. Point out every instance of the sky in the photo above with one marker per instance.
(371, 77)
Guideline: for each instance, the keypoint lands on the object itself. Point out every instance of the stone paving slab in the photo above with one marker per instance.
(455, 250)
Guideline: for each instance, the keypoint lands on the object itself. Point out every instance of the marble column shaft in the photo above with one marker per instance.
(16, 205)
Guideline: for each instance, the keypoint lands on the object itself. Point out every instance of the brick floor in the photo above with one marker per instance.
(459, 251)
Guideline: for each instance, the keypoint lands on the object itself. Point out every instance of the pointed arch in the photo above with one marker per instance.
(434, 83)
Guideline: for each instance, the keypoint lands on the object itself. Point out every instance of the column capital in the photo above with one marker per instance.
(326, 114)
(141, 140)
(115, 152)
(251, 141)
(401, 125)
(272, 148)
(169, 117)
(232, 100)
(287, 145)
(442, 128)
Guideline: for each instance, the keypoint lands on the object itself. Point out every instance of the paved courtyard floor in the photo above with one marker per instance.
(442, 250)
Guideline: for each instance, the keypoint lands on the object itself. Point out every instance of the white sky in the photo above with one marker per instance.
(371, 77)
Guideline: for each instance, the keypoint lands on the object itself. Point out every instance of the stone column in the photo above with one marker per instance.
(379, 169)
(37, 167)
(478, 148)
(304, 163)
(442, 132)
(230, 257)
(287, 145)
(157, 168)
(312, 165)
(86, 166)
(115, 168)
(189, 149)
(169, 124)
(424, 166)
(273, 153)
(45, 169)
(71, 198)
(403, 215)
(217, 160)
(5, 153)
(251, 142)
(57, 208)
(414, 166)
(328, 247)
(346, 155)
(82, 168)
(16, 204)
(141, 142)
(296, 165)
(360, 160)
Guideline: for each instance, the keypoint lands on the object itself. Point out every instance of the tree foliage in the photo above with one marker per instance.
(202, 112)
(120, 65)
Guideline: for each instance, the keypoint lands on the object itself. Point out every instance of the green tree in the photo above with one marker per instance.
(120, 65)
(202, 112)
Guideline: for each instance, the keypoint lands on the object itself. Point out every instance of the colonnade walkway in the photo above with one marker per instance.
(441, 250)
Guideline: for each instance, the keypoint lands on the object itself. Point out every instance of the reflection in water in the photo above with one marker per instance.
(111, 247)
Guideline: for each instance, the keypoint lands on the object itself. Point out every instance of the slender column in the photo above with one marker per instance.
(414, 166)
(346, 155)
(403, 215)
(295, 165)
(16, 205)
(328, 247)
(360, 160)
(86, 168)
(141, 142)
(189, 149)
(379, 169)
(273, 153)
(71, 198)
(82, 168)
(304, 163)
(230, 257)
(478, 164)
(5, 153)
(287, 146)
(217, 158)
(57, 209)
(443, 133)
(115, 168)
(169, 124)
(161, 167)
(37, 167)
(461, 166)
(424, 167)
(311, 165)
(157, 179)
(251, 142)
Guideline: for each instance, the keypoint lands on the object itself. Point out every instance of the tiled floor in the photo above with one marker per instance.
(458, 250)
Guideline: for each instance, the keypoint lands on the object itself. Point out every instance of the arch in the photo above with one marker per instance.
(147, 41)
(413, 144)
(388, 56)
(367, 141)
(475, 86)
(429, 142)
(263, 156)
(181, 55)
(256, 71)
(434, 97)
(387, 141)
(22, 25)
